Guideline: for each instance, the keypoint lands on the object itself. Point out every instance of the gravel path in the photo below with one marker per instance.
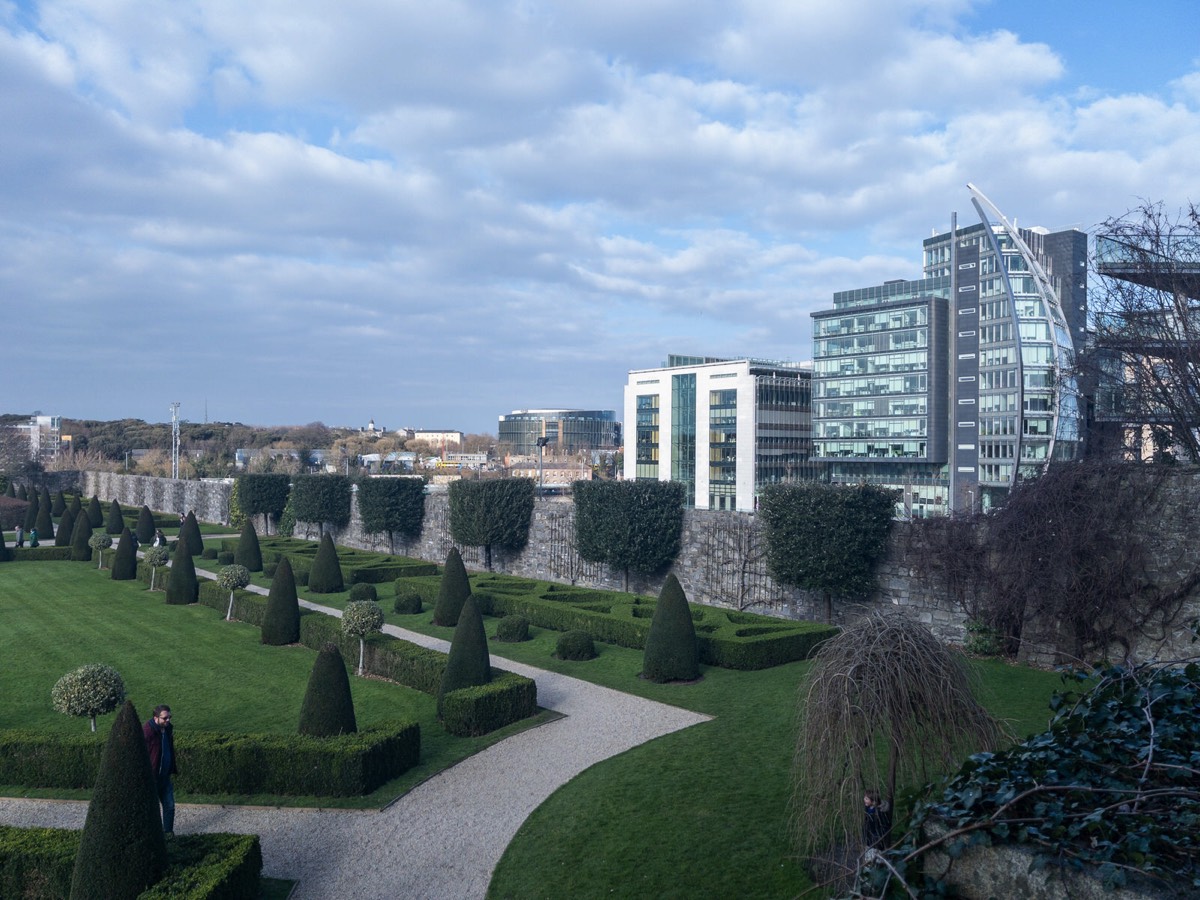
(444, 838)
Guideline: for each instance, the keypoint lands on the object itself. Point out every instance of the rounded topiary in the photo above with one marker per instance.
(66, 528)
(453, 591)
(672, 652)
(95, 513)
(189, 533)
(155, 558)
(248, 552)
(512, 629)
(124, 564)
(100, 542)
(408, 601)
(81, 534)
(281, 621)
(91, 690)
(114, 521)
(182, 587)
(233, 578)
(467, 661)
(328, 707)
(359, 619)
(363, 591)
(145, 525)
(576, 645)
(325, 576)
(226, 558)
(208, 553)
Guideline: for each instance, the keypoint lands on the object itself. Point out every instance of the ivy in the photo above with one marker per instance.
(321, 498)
(493, 513)
(630, 525)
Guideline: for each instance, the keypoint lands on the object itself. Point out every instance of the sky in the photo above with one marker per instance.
(430, 214)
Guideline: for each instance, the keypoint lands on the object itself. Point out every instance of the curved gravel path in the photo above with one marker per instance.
(444, 838)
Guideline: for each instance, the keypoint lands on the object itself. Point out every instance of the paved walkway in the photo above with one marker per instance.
(444, 838)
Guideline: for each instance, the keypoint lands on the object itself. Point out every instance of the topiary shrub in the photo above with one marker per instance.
(232, 578)
(359, 619)
(66, 528)
(363, 591)
(301, 574)
(189, 533)
(575, 645)
(281, 621)
(95, 513)
(100, 542)
(328, 707)
(672, 653)
(455, 588)
(209, 553)
(325, 576)
(512, 629)
(114, 522)
(22, 494)
(227, 558)
(44, 524)
(124, 564)
(408, 601)
(270, 568)
(31, 512)
(59, 505)
(122, 850)
(248, 552)
(182, 586)
(467, 663)
(91, 690)
(81, 550)
(145, 525)
(155, 558)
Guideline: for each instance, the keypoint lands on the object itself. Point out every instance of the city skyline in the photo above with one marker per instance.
(433, 216)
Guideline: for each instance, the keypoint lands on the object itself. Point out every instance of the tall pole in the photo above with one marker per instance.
(175, 440)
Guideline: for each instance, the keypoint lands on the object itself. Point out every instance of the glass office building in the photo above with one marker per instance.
(565, 430)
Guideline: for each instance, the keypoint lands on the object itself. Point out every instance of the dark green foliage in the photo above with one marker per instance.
(248, 552)
(145, 525)
(671, 650)
(507, 698)
(281, 623)
(59, 504)
(467, 663)
(10, 491)
(22, 494)
(31, 512)
(630, 525)
(269, 569)
(80, 535)
(124, 564)
(44, 524)
(363, 591)
(263, 495)
(114, 522)
(94, 513)
(121, 850)
(392, 505)
(76, 505)
(321, 498)
(491, 514)
(226, 558)
(512, 629)
(575, 645)
(66, 528)
(182, 587)
(325, 576)
(189, 534)
(328, 708)
(453, 592)
(408, 601)
(209, 553)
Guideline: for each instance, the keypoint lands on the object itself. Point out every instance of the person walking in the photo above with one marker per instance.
(160, 741)
(33, 541)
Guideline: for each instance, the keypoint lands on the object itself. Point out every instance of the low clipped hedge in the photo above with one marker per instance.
(424, 585)
(472, 711)
(40, 553)
(37, 863)
(387, 570)
(248, 607)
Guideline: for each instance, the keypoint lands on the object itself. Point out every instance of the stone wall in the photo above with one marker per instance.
(209, 498)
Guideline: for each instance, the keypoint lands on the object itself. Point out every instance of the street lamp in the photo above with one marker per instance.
(541, 445)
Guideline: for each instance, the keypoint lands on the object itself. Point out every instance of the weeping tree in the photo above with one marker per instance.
(360, 619)
(233, 578)
(155, 558)
(885, 706)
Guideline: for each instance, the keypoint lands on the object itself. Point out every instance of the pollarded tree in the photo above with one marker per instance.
(44, 524)
(672, 653)
(320, 499)
(91, 690)
(182, 586)
(392, 505)
(155, 557)
(59, 506)
(264, 495)
(94, 513)
(124, 564)
(114, 521)
(453, 590)
(122, 850)
(629, 525)
(232, 578)
(99, 542)
(467, 663)
(281, 621)
(360, 619)
(66, 528)
(189, 533)
(248, 553)
(491, 514)
(145, 525)
(325, 577)
(328, 707)
(81, 534)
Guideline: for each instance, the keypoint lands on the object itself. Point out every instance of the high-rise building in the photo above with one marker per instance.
(950, 387)
(565, 430)
(722, 427)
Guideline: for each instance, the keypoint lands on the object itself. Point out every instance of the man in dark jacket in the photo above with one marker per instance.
(161, 744)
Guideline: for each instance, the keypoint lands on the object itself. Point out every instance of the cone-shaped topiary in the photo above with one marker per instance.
(10, 491)
(59, 506)
(281, 621)
(145, 525)
(325, 577)
(94, 513)
(672, 653)
(248, 553)
(182, 587)
(453, 591)
(66, 527)
(44, 524)
(76, 505)
(328, 708)
(124, 564)
(189, 533)
(122, 850)
(22, 494)
(81, 534)
(114, 521)
(31, 511)
(467, 662)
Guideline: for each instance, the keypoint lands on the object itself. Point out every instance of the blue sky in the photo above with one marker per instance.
(432, 214)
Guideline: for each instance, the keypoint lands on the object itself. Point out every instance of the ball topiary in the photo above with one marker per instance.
(281, 621)
(363, 591)
(576, 645)
(233, 578)
(100, 542)
(452, 592)
(208, 553)
(512, 629)
(672, 652)
(325, 576)
(360, 619)
(467, 662)
(155, 558)
(90, 690)
(328, 707)
(227, 558)
(408, 601)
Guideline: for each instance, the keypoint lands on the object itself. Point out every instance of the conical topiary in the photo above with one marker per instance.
(22, 494)
(66, 528)
(247, 553)
(281, 621)
(328, 708)
(44, 524)
(76, 505)
(145, 525)
(189, 534)
(94, 513)
(467, 662)
(31, 511)
(59, 506)
(671, 653)
(81, 533)
(182, 587)
(453, 591)
(124, 564)
(122, 850)
(114, 522)
(45, 500)
(10, 491)
(325, 577)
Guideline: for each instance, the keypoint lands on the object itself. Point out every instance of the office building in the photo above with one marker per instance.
(564, 430)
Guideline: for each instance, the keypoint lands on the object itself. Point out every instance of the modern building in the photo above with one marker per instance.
(565, 430)
(722, 427)
(950, 387)
(45, 437)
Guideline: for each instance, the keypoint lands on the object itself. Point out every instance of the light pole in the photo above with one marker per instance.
(541, 445)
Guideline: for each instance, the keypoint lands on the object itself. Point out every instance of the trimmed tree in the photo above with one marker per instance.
(95, 513)
(76, 505)
(248, 553)
(44, 524)
(59, 506)
(91, 690)
(155, 557)
(361, 619)
(629, 525)
(189, 533)
(671, 653)
(325, 577)
(467, 663)
(182, 586)
(392, 506)
(122, 850)
(453, 590)
(99, 542)
(10, 491)
(114, 522)
(281, 621)
(328, 707)
(31, 511)
(81, 534)
(124, 564)
(22, 494)
(233, 578)
(145, 525)
(491, 514)
(263, 495)
(318, 499)
(66, 528)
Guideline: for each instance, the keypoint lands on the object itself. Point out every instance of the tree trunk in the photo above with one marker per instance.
(229, 612)
(361, 647)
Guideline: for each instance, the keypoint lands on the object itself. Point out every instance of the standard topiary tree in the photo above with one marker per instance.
(281, 621)
(325, 577)
(124, 564)
(467, 663)
(182, 587)
(248, 553)
(94, 513)
(59, 506)
(265, 495)
(91, 690)
(671, 652)
(630, 525)
(66, 528)
(44, 524)
(328, 707)
(189, 533)
(100, 542)
(233, 578)
(145, 525)
(122, 850)
(81, 534)
(453, 591)
(114, 522)
(360, 619)
(155, 557)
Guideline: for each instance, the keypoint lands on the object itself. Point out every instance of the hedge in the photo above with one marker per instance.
(40, 553)
(379, 572)
(248, 607)
(472, 711)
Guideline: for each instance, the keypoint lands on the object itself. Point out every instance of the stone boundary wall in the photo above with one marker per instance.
(209, 499)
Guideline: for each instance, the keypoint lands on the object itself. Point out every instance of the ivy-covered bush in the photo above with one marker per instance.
(491, 514)
(576, 645)
(512, 629)
(91, 690)
(321, 498)
(325, 576)
(363, 591)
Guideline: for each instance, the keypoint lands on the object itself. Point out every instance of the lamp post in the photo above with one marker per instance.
(541, 445)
